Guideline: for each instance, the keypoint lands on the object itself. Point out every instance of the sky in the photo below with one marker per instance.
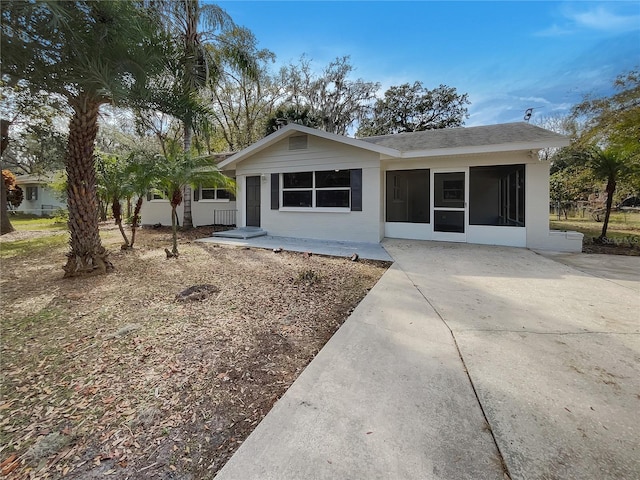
(507, 56)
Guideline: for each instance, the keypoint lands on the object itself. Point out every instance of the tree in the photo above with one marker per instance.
(90, 53)
(177, 170)
(332, 97)
(283, 116)
(5, 223)
(414, 108)
(113, 186)
(608, 165)
(613, 120)
(243, 101)
(141, 174)
(194, 28)
(14, 194)
(36, 143)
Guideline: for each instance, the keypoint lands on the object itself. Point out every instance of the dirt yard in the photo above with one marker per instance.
(119, 375)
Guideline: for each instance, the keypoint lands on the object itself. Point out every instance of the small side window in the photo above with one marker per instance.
(32, 193)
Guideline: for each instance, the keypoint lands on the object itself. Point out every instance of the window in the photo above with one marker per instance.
(408, 197)
(323, 189)
(157, 194)
(497, 195)
(32, 193)
(210, 193)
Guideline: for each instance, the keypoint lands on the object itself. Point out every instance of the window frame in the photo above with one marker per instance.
(314, 189)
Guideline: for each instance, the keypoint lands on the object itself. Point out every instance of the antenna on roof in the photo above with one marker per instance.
(528, 112)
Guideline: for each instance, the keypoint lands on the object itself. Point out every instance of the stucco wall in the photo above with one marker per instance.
(159, 211)
(320, 154)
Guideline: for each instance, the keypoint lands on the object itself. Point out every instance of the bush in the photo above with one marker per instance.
(60, 216)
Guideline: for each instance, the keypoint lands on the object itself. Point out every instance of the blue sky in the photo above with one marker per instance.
(508, 56)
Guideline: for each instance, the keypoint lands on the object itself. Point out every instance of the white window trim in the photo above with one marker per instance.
(314, 189)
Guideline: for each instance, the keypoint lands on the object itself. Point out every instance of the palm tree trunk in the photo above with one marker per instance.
(135, 219)
(87, 254)
(116, 208)
(187, 217)
(174, 228)
(611, 188)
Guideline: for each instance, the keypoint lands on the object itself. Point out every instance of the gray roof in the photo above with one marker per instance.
(505, 133)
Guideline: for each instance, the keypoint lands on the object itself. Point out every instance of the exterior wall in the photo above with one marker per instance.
(537, 197)
(155, 212)
(46, 204)
(202, 212)
(321, 154)
(210, 212)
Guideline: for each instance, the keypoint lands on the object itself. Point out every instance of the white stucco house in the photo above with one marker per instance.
(484, 185)
(39, 199)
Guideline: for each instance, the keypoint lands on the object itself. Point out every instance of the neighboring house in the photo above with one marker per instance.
(482, 185)
(39, 198)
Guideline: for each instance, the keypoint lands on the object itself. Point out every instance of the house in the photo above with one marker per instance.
(484, 185)
(209, 205)
(39, 198)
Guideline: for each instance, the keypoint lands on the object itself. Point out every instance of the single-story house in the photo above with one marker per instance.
(39, 198)
(484, 185)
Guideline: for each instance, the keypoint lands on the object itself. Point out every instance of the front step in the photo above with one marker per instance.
(243, 233)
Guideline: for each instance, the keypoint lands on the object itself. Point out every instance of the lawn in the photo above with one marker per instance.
(623, 230)
(121, 375)
(22, 222)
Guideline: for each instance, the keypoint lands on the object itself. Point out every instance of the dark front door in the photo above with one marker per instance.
(253, 201)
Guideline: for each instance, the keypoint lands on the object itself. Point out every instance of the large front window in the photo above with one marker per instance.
(322, 189)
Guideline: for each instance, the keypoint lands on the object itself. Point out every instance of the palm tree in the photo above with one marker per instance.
(196, 29)
(177, 170)
(141, 178)
(608, 165)
(90, 53)
(113, 187)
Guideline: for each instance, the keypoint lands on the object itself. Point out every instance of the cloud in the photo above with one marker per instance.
(609, 18)
(600, 18)
(555, 31)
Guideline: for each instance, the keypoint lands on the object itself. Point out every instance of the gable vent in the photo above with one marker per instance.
(298, 142)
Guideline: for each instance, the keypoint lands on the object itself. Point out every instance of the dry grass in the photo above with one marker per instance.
(113, 375)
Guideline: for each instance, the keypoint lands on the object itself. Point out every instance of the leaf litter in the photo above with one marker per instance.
(120, 375)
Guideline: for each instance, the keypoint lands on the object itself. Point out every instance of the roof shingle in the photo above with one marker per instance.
(460, 137)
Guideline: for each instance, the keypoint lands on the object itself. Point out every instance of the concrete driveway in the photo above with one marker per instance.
(467, 362)
(553, 352)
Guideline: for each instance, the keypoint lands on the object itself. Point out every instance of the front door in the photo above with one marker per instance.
(449, 205)
(253, 201)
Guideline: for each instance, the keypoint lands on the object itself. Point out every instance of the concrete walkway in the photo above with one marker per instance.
(552, 355)
(371, 251)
